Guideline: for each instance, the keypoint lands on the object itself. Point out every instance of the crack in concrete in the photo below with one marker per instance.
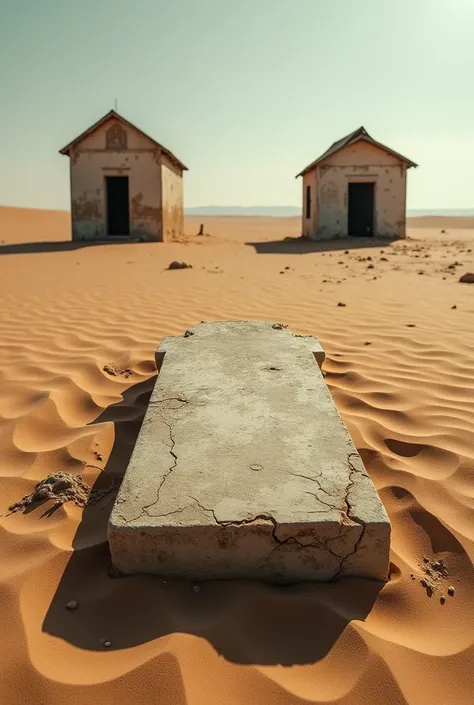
(347, 512)
(146, 508)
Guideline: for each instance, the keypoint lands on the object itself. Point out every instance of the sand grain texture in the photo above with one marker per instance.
(399, 365)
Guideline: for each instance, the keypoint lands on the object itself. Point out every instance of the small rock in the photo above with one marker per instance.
(286, 267)
(340, 262)
(450, 591)
(383, 259)
(454, 306)
(370, 266)
(442, 599)
(443, 231)
(282, 272)
(341, 303)
(177, 264)
(411, 325)
(196, 588)
(426, 559)
(420, 272)
(72, 605)
(346, 252)
(467, 278)
(106, 643)
(368, 342)
(369, 259)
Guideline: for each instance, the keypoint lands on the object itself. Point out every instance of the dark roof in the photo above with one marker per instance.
(114, 114)
(359, 134)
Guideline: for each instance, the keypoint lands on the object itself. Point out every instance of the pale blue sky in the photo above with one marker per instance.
(245, 92)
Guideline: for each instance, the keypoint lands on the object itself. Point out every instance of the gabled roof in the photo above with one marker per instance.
(359, 134)
(126, 123)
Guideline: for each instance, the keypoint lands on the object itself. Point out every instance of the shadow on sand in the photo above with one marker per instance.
(28, 248)
(246, 622)
(302, 245)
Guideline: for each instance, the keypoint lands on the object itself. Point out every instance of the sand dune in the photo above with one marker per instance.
(399, 365)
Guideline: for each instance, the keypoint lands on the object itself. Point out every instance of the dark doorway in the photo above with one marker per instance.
(361, 209)
(118, 216)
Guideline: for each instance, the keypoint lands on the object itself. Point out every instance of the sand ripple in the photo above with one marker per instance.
(406, 394)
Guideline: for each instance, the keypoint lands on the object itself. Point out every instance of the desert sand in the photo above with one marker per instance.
(400, 361)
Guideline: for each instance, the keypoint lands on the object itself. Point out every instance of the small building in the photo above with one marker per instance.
(357, 187)
(124, 184)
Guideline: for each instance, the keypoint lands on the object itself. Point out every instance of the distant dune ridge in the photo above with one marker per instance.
(78, 333)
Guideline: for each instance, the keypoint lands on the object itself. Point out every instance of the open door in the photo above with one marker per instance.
(361, 209)
(118, 212)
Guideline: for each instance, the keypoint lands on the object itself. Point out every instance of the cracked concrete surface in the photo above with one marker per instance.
(243, 467)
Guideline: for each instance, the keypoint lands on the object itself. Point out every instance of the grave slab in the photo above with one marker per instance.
(243, 467)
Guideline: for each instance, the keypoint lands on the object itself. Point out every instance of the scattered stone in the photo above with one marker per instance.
(282, 272)
(450, 591)
(454, 306)
(279, 326)
(369, 259)
(286, 267)
(467, 278)
(115, 371)
(421, 272)
(341, 303)
(341, 263)
(346, 252)
(106, 643)
(370, 266)
(426, 559)
(61, 487)
(196, 588)
(442, 599)
(72, 605)
(177, 264)
(443, 231)
(368, 342)
(384, 259)
(98, 456)
(411, 325)
(188, 333)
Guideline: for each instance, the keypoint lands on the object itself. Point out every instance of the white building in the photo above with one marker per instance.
(357, 187)
(123, 184)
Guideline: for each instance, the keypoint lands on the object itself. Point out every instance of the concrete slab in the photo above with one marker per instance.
(243, 467)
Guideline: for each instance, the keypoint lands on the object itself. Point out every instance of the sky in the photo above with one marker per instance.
(246, 93)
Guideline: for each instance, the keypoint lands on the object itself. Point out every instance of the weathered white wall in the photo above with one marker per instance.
(91, 162)
(360, 162)
(172, 199)
(310, 225)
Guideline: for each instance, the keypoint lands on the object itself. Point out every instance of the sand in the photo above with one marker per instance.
(78, 330)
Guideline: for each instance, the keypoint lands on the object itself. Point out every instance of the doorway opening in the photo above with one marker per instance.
(118, 213)
(361, 209)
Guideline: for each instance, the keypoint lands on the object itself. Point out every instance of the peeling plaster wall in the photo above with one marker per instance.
(92, 162)
(310, 225)
(172, 192)
(361, 162)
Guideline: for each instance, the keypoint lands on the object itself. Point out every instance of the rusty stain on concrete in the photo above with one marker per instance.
(84, 208)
